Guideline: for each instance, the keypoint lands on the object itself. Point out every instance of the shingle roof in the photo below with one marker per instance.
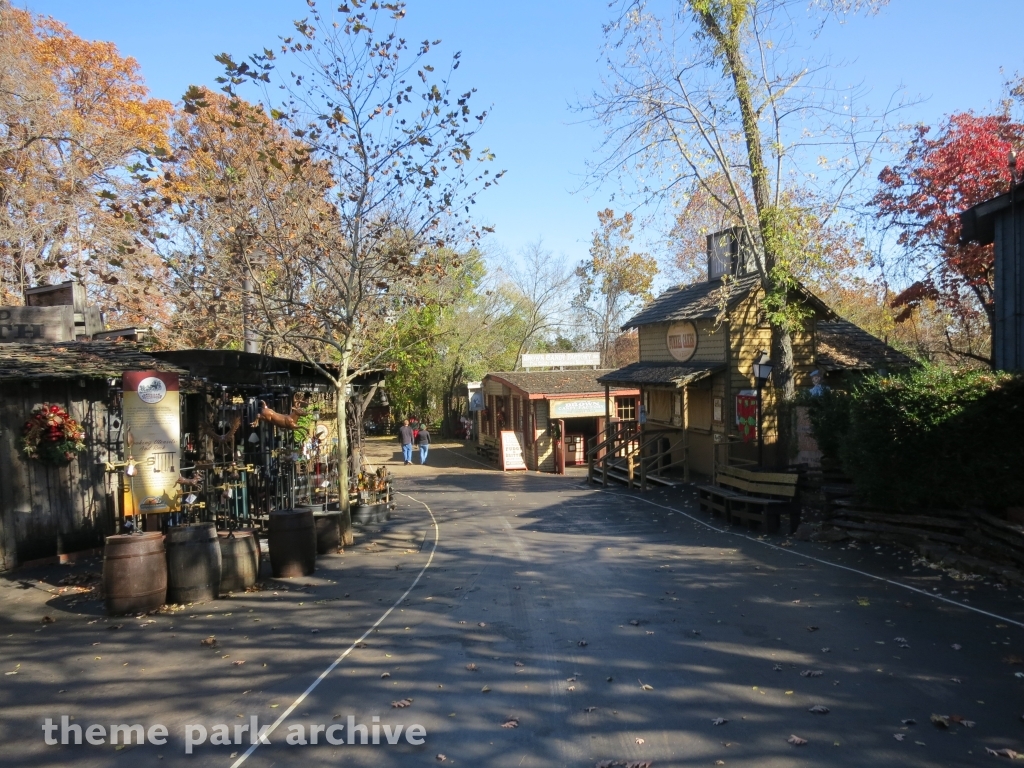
(706, 300)
(843, 346)
(76, 360)
(693, 302)
(552, 382)
(654, 374)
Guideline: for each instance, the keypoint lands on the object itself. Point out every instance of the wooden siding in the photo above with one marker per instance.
(543, 450)
(747, 338)
(45, 511)
(710, 343)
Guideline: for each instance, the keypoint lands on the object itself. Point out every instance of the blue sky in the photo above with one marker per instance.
(532, 59)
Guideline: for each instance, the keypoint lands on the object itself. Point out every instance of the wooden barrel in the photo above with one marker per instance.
(193, 563)
(239, 560)
(134, 573)
(292, 538)
(328, 532)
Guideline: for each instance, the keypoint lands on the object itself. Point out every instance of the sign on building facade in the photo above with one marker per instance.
(568, 409)
(682, 340)
(152, 419)
(562, 360)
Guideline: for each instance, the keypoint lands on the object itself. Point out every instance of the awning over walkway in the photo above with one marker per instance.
(660, 374)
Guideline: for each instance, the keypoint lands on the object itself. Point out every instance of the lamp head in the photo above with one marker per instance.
(763, 367)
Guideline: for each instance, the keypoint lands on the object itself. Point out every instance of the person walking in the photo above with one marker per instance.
(423, 438)
(406, 439)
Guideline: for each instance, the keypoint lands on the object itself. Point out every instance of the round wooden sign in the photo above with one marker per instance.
(682, 340)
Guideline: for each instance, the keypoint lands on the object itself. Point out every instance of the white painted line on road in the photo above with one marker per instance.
(337, 661)
(823, 562)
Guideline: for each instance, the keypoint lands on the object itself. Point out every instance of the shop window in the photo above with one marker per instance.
(625, 408)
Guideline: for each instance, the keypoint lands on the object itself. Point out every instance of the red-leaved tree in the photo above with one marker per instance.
(963, 165)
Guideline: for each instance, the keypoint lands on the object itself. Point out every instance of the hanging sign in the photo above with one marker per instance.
(511, 452)
(682, 340)
(746, 416)
(152, 424)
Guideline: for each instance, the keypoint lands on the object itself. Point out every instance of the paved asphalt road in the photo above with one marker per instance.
(605, 627)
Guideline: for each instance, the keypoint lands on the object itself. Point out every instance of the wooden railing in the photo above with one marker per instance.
(628, 444)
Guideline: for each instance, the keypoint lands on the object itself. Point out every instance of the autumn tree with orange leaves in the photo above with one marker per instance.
(614, 281)
(234, 181)
(394, 141)
(944, 172)
(75, 116)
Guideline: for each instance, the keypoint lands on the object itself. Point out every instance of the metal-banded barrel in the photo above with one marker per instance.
(134, 573)
(193, 563)
(239, 560)
(292, 538)
(328, 532)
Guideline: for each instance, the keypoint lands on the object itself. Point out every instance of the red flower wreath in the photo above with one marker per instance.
(52, 436)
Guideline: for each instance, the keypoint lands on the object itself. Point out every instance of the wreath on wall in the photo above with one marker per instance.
(52, 436)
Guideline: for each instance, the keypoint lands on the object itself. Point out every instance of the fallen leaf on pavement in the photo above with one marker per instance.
(512, 722)
(796, 740)
(384, 675)
(719, 721)
(961, 720)
(46, 620)
(485, 689)
(520, 664)
(909, 721)
(441, 758)
(719, 762)
(1001, 753)
(210, 642)
(863, 602)
(956, 646)
(899, 736)
(825, 650)
(812, 629)
(811, 673)
(589, 709)
(472, 667)
(571, 688)
(777, 668)
(582, 643)
(238, 663)
(819, 709)
(401, 703)
(644, 686)
(639, 741)
(940, 721)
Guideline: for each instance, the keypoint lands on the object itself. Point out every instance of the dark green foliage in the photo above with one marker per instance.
(933, 438)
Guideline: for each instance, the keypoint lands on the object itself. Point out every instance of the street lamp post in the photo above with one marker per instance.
(762, 372)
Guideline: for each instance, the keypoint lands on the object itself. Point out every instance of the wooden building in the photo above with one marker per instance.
(47, 510)
(698, 346)
(527, 402)
(1000, 221)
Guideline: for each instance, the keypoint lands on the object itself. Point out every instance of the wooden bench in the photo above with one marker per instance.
(752, 497)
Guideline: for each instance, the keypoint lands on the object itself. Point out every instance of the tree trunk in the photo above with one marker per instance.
(784, 386)
(347, 537)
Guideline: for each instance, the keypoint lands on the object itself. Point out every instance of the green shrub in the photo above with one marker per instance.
(933, 438)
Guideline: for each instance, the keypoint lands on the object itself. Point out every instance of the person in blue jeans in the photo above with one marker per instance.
(406, 439)
(423, 438)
